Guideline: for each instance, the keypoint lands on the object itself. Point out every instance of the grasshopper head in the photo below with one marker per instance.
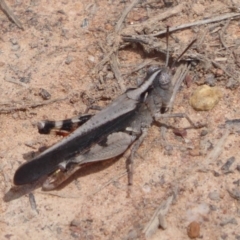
(163, 79)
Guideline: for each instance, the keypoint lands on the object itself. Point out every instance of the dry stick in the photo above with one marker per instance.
(153, 20)
(140, 66)
(117, 29)
(26, 106)
(113, 57)
(197, 23)
(201, 57)
(124, 15)
(10, 14)
(17, 82)
(178, 78)
(157, 217)
(109, 182)
(222, 33)
(116, 71)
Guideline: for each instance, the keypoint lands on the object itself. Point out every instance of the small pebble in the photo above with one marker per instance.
(44, 94)
(219, 72)
(132, 234)
(235, 193)
(214, 196)
(13, 41)
(25, 79)
(232, 84)
(91, 58)
(193, 229)
(226, 167)
(229, 221)
(213, 207)
(205, 98)
(84, 23)
(210, 80)
(15, 47)
(68, 60)
(75, 223)
(204, 132)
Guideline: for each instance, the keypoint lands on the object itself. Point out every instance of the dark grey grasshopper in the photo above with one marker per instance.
(105, 135)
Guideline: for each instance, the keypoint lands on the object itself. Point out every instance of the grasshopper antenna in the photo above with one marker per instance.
(167, 42)
(189, 46)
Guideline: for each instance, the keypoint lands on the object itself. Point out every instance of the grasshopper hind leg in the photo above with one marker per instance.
(67, 125)
(114, 145)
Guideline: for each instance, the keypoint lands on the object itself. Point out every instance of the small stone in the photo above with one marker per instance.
(13, 41)
(25, 79)
(108, 27)
(214, 196)
(219, 72)
(91, 58)
(109, 75)
(44, 94)
(132, 234)
(228, 221)
(234, 193)
(205, 98)
(213, 207)
(232, 84)
(193, 229)
(210, 80)
(15, 47)
(226, 167)
(204, 132)
(75, 223)
(84, 23)
(216, 174)
(68, 60)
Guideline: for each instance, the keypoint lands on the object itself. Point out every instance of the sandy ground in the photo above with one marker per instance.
(61, 43)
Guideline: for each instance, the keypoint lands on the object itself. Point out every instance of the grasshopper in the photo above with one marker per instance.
(105, 135)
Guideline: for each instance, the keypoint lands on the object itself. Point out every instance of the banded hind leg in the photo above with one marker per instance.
(62, 126)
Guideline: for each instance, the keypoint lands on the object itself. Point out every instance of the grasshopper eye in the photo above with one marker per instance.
(164, 79)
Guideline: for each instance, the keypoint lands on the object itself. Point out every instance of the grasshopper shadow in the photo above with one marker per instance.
(88, 169)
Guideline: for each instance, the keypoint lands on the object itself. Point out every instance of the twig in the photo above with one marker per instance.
(10, 14)
(222, 33)
(153, 20)
(32, 202)
(139, 66)
(214, 154)
(124, 15)
(116, 71)
(197, 23)
(24, 106)
(115, 44)
(16, 82)
(177, 80)
(109, 182)
(158, 218)
(202, 57)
